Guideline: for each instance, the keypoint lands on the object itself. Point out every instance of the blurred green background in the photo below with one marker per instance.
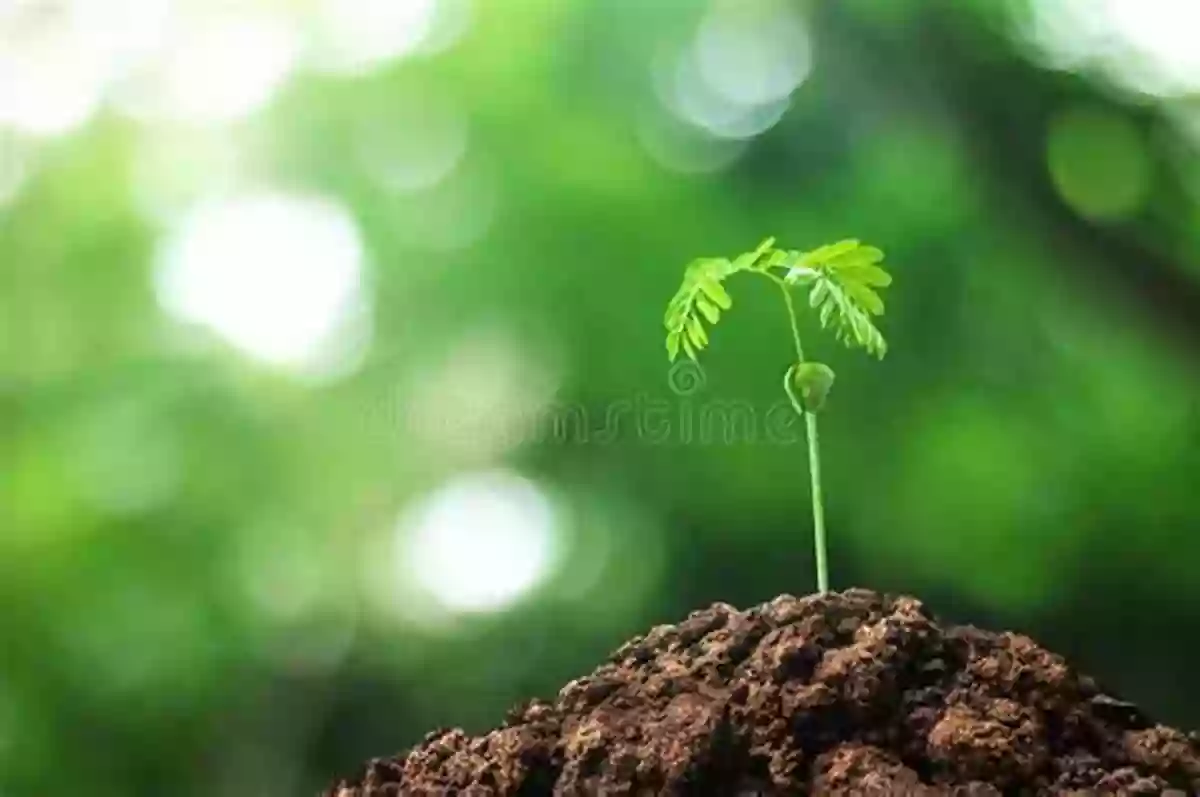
(333, 400)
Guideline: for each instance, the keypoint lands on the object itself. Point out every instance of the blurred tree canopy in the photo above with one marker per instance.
(333, 402)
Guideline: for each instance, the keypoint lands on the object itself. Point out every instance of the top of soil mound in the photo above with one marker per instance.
(840, 694)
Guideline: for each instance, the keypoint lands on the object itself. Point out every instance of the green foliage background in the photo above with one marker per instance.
(1026, 456)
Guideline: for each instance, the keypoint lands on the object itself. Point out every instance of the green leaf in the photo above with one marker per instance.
(745, 261)
(859, 323)
(672, 313)
(802, 276)
(750, 259)
(720, 268)
(777, 258)
(826, 313)
(866, 297)
(708, 310)
(859, 256)
(673, 344)
(764, 247)
(845, 293)
(826, 253)
(843, 281)
(820, 293)
(868, 275)
(716, 292)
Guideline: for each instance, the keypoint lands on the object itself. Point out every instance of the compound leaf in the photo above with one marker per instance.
(843, 281)
(702, 296)
(845, 292)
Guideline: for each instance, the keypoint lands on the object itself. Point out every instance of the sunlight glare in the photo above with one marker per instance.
(220, 70)
(683, 148)
(414, 143)
(482, 399)
(478, 543)
(1144, 45)
(358, 35)
(275, 275)
(52, 77)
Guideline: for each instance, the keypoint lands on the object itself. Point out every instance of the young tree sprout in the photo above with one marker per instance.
(841, 282)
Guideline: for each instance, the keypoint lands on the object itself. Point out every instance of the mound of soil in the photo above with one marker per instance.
(841, 694)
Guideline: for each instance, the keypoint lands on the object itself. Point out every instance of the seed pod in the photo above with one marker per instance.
(812, 383)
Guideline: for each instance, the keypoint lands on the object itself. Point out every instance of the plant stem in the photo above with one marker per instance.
(791, 308)
(814, 457)
(814, 469)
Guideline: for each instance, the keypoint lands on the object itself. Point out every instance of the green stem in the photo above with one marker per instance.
(814, 469)
(791, 308)
(814, 456)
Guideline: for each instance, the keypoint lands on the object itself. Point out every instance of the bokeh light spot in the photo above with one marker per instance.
(52, 77)
(1098, 163)
(414, 143)
(278, 276)
(479, 542)
(220, 70)
(482, 399)
(732, 81)
(357, 35)
(455, 214)
(1148, 46)
(685, 149)
(753, 53)
(690, 98)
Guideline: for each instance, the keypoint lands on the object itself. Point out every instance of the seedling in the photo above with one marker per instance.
(840, 281)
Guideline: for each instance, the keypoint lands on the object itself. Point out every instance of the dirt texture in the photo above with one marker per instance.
(850, 693)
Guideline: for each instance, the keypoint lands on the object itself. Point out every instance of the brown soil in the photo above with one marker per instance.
(843, 694)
